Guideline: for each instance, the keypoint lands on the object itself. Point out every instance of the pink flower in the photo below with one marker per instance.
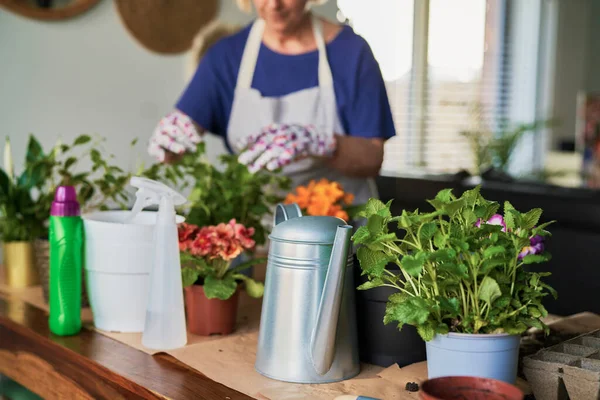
(225, 241)
(495, 219)
(243, 234)
(203, 243)
(187, 233)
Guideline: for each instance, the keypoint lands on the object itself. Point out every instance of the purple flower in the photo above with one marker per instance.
(536, 246)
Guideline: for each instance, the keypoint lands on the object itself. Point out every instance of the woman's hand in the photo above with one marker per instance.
(280, 144)
(174, 135)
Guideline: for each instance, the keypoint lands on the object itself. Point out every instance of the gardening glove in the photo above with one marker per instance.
(280, 144)
(175, 133)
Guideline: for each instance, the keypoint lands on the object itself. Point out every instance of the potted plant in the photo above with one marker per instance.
(19, 222)
(462, 280)
(323, 198)
(97, 186)
(211, 286)
(220, 193)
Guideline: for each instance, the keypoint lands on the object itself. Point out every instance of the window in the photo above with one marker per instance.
(445, 65)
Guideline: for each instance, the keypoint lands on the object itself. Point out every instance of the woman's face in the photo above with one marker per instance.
(281, 15)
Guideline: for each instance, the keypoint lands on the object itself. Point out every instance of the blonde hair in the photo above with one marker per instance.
(208, 36)
(246, 5)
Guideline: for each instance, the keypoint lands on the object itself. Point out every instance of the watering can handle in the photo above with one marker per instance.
(283, 212)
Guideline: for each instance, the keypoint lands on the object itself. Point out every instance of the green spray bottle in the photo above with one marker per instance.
(66, 259)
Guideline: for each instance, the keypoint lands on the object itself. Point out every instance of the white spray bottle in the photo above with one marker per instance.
(165, 316)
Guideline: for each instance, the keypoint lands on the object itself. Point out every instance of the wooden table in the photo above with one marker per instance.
(90, 365)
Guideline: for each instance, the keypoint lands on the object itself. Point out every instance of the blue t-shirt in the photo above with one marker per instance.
(362, 101)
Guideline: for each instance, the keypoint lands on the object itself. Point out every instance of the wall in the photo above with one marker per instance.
(87, 75)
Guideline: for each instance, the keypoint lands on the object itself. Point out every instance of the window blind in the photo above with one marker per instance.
(448, 78)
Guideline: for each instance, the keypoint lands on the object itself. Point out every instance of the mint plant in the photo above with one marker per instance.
(459, 268)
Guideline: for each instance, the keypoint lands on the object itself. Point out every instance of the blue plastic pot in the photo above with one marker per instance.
(485, 356)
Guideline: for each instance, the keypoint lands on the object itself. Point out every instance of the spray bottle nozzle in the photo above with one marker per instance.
(150, 193)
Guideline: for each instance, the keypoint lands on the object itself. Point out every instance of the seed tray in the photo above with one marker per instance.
(569, 370)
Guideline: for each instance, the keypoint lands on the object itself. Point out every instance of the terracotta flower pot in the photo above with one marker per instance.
(468, 387)
(209, 316)
(19, 265)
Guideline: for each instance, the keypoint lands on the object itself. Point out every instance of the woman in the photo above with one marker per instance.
(290, 90)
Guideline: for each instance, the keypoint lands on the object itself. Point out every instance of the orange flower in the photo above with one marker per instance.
(349, 198)
(337, 211)
(321, 198)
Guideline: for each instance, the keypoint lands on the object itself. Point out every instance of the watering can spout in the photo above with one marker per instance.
(322, 344)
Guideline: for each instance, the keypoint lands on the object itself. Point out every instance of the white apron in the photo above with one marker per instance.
(251, 112)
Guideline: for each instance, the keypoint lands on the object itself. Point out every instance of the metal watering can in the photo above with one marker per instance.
(308, 322)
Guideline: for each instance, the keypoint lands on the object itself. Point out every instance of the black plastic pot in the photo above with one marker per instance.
(380, 344)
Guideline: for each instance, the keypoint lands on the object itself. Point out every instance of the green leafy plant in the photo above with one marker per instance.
(459, 268)
(221, 193)
(19, 219)
(495, 149)
(98, 182)
(207, 253)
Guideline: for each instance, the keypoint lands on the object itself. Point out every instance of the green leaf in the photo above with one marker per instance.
(442, 255)
(372, 207)
(534, 312)
(439, 239)
(531, 218)
(490, 264)
(460, 270)
(385, 237)
(471, 196)
(428, 229)
(413, 265)
(4, 183)
(515, 329)
(450, 305)
(536, 258)
(502, 302)
(508, 216)
(398, 297)
(253, 288)
(96, 158)
(454, 207)
(69, 162)
(189, 276)
(361, 235)
(444, 195)
(534, 323)
(412, 311)
(34, 151)
(373, 262)
(375, 224)
(492, 251)
(134, 142)
(426, 332)
(83, 139)
(469, 216)
(373, 283)
(215, 288)
(489, 290)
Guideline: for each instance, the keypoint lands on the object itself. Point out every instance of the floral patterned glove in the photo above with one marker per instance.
(175, 133)
(280, 144)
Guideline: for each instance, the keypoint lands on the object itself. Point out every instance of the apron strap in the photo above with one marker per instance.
(250, 55)
(325, 77)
